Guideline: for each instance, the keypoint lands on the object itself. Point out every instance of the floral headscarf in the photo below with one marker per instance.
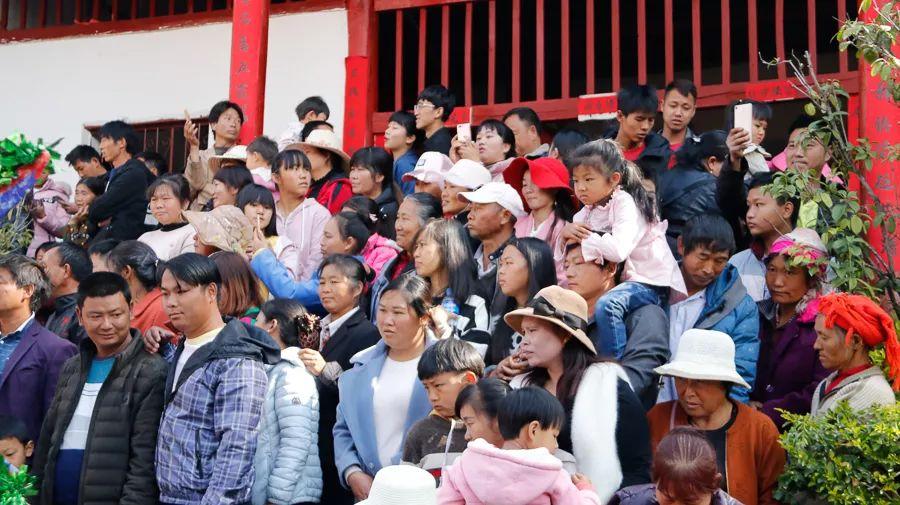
(802, 248)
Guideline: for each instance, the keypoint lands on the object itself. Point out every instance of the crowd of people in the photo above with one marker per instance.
(494, 319)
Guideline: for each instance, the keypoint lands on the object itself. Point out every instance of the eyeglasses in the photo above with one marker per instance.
(421, 106)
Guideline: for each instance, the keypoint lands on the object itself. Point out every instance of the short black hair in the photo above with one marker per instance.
(312, 126)
(761, 111)
(522, 406)
(120, 130)
(96, 185)
(450, 355)
(175, 182)
(101, 284)
(192, 269)
(684, 87)
(76, 257)
(439, 96)
(352, 225)
(484, 396)
(26, 272)
(566, 141)
(503, 131)
(83, 153)
(526, 115)
(290, 159)
(13, 427)
(710, 231)
(350, 266)
(377, 161)
(638, 98)
(234, 177)
(219, 108)
(46, 246)
(265, 147)
(407, 120)
(802, 121)
(312, 104)
(140, 257)
(155, 160)
(103, 247)
(763, 179)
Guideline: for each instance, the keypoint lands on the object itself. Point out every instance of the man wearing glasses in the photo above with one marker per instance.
(432, 109)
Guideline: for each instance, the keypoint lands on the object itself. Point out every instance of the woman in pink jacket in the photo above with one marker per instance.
(543, 184)
(50, 217)
(523, 471)
(378, 249)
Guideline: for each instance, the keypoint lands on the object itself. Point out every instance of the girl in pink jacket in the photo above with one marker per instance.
(618, 223)
(524, 471)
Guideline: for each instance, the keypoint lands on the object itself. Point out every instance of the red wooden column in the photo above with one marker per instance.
(359, 87)
(249, 48)
(879, 122)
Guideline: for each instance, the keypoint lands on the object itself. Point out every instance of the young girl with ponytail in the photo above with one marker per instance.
(618, 223)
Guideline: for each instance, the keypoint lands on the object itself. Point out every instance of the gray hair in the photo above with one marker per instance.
(26, 272)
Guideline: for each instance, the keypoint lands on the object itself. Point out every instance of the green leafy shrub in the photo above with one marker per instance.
(17, 487)
(843, 457)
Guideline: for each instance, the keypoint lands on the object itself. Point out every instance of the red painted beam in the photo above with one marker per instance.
(670, 40)
(753, 43)
(249, 50)
(360, 84)
(564, 43)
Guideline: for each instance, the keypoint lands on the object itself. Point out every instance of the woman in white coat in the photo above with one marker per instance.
(605, 427)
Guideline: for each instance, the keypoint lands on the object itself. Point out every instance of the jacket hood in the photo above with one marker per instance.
(292, 355)
(375, 241)
(241, 340)
(52, 187)
(723, 295)
(511, 477)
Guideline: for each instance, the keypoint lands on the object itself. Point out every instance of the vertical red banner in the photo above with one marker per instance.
(356, 98)
(879, 122)
(249, 48)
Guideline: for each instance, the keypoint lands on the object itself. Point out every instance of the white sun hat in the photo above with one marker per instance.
(704, 355)
(402, 485)
(468, 174)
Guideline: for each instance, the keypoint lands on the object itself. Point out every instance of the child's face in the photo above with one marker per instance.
(480, 425)
(14, 452)
(254, 160)
(636, 126)
(294, 181)
(759, 130)
(591, 186)
(535, 436)
(765, 215)
(443, 389)
(258, 214)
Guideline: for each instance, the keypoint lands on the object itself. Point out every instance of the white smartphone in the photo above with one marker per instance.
(464, 132)
(743, 116)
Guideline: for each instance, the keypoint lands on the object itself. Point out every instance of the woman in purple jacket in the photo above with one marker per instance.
(788, 369)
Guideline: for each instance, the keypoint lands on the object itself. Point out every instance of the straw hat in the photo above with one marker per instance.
(225, 227)
(562, 307)
(402, 485)
(704, 355)
(238, 153)
(326, 140)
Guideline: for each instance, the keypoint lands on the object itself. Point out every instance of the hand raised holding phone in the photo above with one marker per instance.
(191, 131)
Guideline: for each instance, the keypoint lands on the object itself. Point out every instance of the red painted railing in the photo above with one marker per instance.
(499, 54)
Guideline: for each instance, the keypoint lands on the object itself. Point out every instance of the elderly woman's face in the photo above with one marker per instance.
(834, 352)
(700, 398)
(786, 284)
(407, 224)
(541, 345)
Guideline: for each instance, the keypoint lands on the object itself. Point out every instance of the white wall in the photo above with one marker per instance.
(51, 89)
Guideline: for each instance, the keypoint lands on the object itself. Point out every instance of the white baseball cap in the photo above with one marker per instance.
(500, 193)
(431, 167)
(468, 174)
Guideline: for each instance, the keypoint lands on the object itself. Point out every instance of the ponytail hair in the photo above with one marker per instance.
(140, 257)
(350, 225)
(296, 326)
(415, 290)
(605, 157)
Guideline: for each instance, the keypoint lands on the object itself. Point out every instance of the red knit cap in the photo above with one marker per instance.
(863, 317)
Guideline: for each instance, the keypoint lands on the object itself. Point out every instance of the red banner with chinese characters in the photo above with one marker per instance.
(356, 96)
(772, 91)
(601, 106)
(249, 48)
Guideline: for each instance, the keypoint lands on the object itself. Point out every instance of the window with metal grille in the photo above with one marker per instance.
(165, 137)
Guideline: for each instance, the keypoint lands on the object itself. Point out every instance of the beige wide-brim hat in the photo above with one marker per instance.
(706, 355)
(225, 228)
(238, 153)
(326, 140)
(402, 485)
(559, 306)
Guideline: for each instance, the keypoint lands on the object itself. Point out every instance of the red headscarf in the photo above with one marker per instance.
(863, 317)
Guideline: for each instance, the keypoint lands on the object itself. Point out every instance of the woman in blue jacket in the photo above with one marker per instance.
(287, 469)
(369, 432)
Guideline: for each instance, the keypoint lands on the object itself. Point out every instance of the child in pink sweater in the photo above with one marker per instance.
(619, 223)
(524, 471)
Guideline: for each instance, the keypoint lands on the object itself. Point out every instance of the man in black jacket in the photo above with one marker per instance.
(121, 210)
(66, 265)
(98, 442)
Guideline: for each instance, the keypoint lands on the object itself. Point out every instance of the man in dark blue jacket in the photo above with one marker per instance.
(120, 211)
(31, 357)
